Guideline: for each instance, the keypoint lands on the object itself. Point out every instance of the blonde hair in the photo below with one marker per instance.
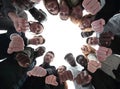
(90, 50)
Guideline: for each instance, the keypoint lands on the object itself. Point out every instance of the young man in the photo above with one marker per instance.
(38, 74)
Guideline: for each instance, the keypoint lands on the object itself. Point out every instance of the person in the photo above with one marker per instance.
(86, 34)
(64, 12)
(15, 11)
(99, 75)
(14, 68)
(38, 74)
(52, 6)
(76, 72)
(106, 39)
(55, 79)
(9, 46)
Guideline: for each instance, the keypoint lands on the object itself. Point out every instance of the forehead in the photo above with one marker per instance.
(50, 54)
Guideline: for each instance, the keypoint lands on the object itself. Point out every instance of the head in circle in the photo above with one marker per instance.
(70, 59)
(49, 56)
(36, 27)
(81, 60)
(64, 10)
(86, 34)
(92, 40)
(61, 69)
(52, 6)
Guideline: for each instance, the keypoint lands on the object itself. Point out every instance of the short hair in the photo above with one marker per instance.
(87, 40)
(64, 67)
(86, 34)
(42, 37)
(51, 53)
(79, 57)
(67, 55)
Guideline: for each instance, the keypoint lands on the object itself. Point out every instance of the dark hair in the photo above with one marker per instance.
(68, 55)
(51, 52)
(64, 67)
(38, 15)
(79, 57)
(42, 37)
(46, 1)
(87, 40)
(39, 51)
(86, 34)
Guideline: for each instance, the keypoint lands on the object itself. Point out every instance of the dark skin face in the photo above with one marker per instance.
(82, 61)
(71, 60)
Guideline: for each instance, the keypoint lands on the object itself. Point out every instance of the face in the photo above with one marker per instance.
(37, 40)
(71, 60)
(77, 12)
(86, 23)
(61, 69)
(36, 28)
(82, 61)
(48, 57)
(52, 7)
(64, 11)
(85, 49)
(93, 41)
(40, 51)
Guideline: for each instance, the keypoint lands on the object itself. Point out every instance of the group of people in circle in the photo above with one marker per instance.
(93, 69)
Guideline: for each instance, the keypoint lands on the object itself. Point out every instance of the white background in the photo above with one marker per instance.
(62, 37)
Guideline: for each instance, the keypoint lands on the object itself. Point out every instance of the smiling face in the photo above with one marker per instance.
(64, 11)
(70, 59)
(52, 7)
(93, 41)
(36, 27)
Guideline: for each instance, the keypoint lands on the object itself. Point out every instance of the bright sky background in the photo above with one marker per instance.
(62, 37)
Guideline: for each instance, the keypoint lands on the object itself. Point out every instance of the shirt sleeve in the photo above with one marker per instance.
(8, 7)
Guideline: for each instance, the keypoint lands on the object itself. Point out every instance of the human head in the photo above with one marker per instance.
(81, 60)
(61, 69)
(87, 49)
(40, 51)
(86, 33)
(64, 10)
(48, 58)
(37, 40)
(76, 14)
(92, 40)
(52, 6)
(70, 59)
(85, 22)
(36, 27)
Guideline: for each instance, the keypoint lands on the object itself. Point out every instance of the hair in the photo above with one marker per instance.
(51, 52)
(86, 34)
(67, 55)
(91, 50)
(46, 1)
(87, 40)
(38, 14)
(64, 67)
(41, 37)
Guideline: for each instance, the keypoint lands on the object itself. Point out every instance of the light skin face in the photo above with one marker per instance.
(93, 41)
(48, 57)
(86, 23)
(85, 49)
(52, 7)
(36, 28)
(64, 11)
(61, 69)
(36, 40)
